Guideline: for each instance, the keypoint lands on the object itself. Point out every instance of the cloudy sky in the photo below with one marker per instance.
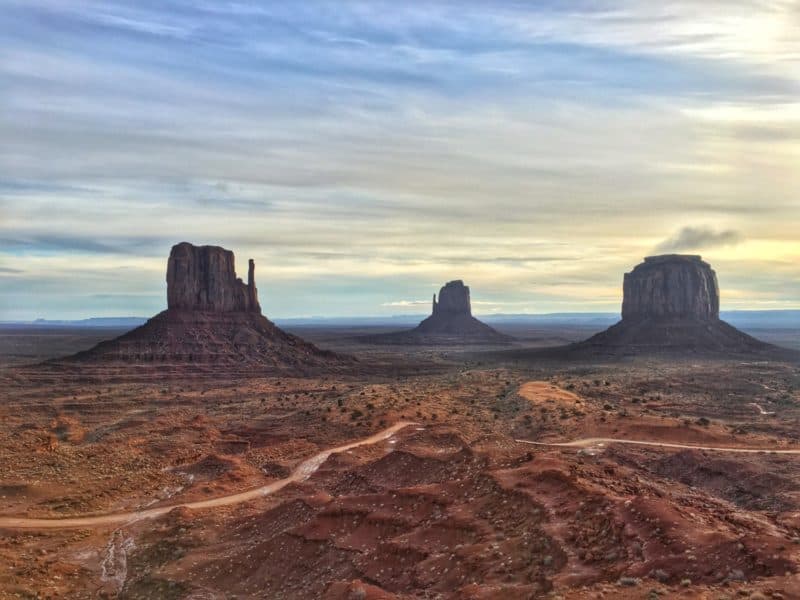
(365, 152)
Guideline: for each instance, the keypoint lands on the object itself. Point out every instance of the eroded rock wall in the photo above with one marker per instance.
(204, 278)
(672, 286)
(453, 299)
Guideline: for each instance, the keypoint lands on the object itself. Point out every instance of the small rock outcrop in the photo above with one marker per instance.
(212, 318)
(204, 278)
(671, 286)
(451, 322)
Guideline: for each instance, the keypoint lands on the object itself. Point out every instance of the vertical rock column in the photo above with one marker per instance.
(252, 292)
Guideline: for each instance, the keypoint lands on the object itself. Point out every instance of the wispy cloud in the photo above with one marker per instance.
(406, 303)
(53, 242)
(697, 238)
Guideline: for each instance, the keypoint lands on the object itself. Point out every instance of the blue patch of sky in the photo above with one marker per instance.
(277, 49)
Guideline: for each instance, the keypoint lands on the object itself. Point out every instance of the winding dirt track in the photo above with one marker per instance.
(589, 442)
(301, 472)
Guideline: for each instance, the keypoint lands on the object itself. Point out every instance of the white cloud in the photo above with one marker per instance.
(697, 238)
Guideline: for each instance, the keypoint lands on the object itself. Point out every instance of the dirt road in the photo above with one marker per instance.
(301, 472)
(589, 442)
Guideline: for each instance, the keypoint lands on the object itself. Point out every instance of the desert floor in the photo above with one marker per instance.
(152, 473)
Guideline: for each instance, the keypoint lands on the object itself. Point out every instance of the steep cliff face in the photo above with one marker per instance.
(453, 300)
(672, 286)
(204, 278)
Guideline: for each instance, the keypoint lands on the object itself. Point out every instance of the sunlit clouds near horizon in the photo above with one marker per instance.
(366, 152)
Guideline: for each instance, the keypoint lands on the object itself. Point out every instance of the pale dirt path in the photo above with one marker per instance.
(588, 442)
(760, 410)
(301, 472)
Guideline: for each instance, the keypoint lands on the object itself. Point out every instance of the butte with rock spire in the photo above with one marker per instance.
(212, 318)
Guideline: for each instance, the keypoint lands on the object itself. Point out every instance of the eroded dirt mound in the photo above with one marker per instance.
(672, 336)
(736, 480)
(214, 466)
(493, 523)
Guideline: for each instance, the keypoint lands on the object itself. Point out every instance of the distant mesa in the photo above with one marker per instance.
(451, 322)
(671, 305)
(212, 317)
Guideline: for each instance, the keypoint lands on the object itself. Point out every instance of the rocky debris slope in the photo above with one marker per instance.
(212, 318)
(441, 516)
(451, 322)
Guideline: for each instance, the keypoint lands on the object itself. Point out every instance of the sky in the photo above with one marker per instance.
(366, 152)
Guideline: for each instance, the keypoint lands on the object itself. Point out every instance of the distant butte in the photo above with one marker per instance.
(450, 322)
(212, 318)
(671, 305)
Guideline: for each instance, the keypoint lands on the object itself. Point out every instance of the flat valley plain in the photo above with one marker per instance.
(454, 504)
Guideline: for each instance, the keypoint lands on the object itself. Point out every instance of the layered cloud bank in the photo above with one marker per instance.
(365, 151)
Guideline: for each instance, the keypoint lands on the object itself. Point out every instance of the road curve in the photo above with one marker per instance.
(588, 442)
(301, 472)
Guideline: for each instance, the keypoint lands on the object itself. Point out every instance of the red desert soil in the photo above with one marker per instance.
(539, 392)
(172, 473)
(303, 471)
